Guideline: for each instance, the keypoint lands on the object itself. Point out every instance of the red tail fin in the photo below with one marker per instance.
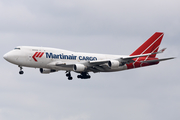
(151, 45)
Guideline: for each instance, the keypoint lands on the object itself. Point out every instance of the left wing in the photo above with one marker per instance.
(101, 65)
(125, 60)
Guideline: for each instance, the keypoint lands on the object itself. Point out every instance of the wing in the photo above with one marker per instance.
(108, 64)
(102, 65)
(125, 60)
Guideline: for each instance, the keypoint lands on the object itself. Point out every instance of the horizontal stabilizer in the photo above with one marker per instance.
(157, 60)
(143, 55)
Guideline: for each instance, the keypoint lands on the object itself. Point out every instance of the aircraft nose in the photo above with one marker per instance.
(5, 56)
(11, 56)
(8, 56)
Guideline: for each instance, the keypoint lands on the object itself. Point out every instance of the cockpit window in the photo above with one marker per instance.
(17, 48)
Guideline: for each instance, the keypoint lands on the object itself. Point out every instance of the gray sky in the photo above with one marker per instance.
(96, 26)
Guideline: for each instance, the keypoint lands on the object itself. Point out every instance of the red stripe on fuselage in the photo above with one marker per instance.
(34, 56)
(38, 54)
(138, 63)
(41, 55)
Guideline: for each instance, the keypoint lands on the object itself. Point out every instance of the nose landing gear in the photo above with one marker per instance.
(21, 72)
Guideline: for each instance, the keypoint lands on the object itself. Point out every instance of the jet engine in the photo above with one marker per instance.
(46, 71)
(113, 63)
(79, 67)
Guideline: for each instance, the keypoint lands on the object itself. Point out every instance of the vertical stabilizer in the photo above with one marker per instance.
(150, 46)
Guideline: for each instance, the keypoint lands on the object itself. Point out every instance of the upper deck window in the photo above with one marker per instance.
(17, 48)
(34, 49)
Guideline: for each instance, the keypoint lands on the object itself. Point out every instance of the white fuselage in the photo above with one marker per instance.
(25, 56)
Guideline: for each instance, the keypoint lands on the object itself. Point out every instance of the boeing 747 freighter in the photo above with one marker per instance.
(50, 60)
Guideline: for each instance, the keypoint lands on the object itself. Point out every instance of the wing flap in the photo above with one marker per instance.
(61, 64)
(98, 62)
(64, 65)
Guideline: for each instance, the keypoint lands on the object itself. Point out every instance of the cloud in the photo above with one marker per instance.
(91, 17)
(96, 26)
(77, 117)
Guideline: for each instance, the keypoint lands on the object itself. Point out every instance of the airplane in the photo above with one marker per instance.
(50, 60)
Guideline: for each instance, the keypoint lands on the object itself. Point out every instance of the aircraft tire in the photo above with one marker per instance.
(70, 78)
(21, 72)
(79, 76)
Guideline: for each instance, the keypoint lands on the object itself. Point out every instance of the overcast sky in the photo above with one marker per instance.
(96, 26)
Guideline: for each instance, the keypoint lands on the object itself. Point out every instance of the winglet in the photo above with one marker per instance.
(162, 50)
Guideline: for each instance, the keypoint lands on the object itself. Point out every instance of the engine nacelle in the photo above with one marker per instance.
(46, 71)
(79, 67)
(113, 64)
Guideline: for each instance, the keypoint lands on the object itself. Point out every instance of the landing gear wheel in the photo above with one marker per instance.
(84, 75)
(21, 72)
(88, 77)
(79, 76)
(68, 74)
(70, 78)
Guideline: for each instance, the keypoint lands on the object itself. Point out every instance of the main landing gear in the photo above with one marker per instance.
(21, 72)
(68, 74)
(84, 75)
